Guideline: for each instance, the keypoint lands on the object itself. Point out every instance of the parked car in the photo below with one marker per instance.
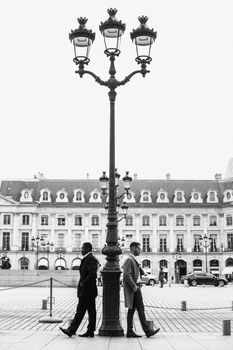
(206, 278)
(147, 279)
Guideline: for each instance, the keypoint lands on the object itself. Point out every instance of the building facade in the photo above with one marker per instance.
(43, 223)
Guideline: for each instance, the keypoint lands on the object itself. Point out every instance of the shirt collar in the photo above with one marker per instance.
(84, 256)
(135, 258)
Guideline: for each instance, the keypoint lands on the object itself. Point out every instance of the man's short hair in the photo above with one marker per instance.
(88, 246)
(134, 244)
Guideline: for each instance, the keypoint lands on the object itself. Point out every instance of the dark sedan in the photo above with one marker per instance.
(195, 278)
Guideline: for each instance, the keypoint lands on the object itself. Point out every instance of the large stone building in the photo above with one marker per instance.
(168, 217)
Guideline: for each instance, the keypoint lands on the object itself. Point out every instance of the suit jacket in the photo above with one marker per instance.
(88, 274)
(131, 272)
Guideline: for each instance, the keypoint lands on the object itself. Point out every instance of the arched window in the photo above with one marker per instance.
(146, 264)
(24, 263)
(162, 220)
(145, 197)
(163, 264)
(212, 196)
(76, 264)
(78, 196)
(145, 220)
(129, 220)
(214, 263)
(197, 263)
(179, 196)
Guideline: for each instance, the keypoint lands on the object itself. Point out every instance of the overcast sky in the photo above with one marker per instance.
(178, 119)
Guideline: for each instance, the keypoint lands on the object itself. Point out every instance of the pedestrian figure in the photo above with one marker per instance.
(87, 292)
(99, 277)
(161, 277)
(172, 278)
(132, 293)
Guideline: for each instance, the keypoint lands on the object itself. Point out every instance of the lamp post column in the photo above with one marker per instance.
(111, 272)
(206, 264)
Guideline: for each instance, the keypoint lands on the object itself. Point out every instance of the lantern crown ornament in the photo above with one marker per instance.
(143, 37)
(112, 30)
(82, 38)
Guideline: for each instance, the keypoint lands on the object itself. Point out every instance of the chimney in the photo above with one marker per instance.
(168, 176)
(88, 176)
(218, 177)
(135, 176)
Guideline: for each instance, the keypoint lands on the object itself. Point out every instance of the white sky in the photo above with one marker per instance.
(177, 119)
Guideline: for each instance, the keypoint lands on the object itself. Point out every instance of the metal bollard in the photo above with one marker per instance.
(226, 327)
(150, 325)
(232, 305)
(183, 306)
(44, 304)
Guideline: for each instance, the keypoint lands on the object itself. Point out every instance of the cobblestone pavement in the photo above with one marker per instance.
(207, 307)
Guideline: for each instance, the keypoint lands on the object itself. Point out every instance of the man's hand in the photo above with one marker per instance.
(136, 289)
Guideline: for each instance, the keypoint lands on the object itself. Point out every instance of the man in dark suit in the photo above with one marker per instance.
(132, 293)
(87, 292)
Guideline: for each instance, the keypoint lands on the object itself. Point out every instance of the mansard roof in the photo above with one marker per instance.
(13, 188)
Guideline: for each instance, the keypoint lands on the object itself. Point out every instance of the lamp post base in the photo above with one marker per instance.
(111, 326)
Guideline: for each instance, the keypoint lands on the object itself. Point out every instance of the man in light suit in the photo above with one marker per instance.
(132, 293)
(87, 292)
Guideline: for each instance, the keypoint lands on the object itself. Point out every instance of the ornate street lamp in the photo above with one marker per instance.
(176, 256)
(4, 259)
(61, 252)
(206, 242)
(37, 243)
(82, 38)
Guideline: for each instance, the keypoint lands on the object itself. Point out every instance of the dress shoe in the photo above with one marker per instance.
(150, 333)
(66, 332)
(87, 334)
(133, 335)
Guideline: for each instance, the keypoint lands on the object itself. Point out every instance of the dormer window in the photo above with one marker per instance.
(179, 197)
(26, 195)
(196, 197)
(145, 196)
(78, 196)
(45, 195)
(129, 197)
(228, 196)
(62, 196)
(162, 196)
(212, 196)
(95, 196)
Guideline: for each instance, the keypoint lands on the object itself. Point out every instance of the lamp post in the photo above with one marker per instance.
(206, 242)
(61, 252)
(4, 260)
(37, 243)
(176, 256)
(82, 38)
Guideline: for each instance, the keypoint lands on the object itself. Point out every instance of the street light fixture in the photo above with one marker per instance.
(206, 242)
(176, 256)
(37, 243)
(82, 38)
(61, 252)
